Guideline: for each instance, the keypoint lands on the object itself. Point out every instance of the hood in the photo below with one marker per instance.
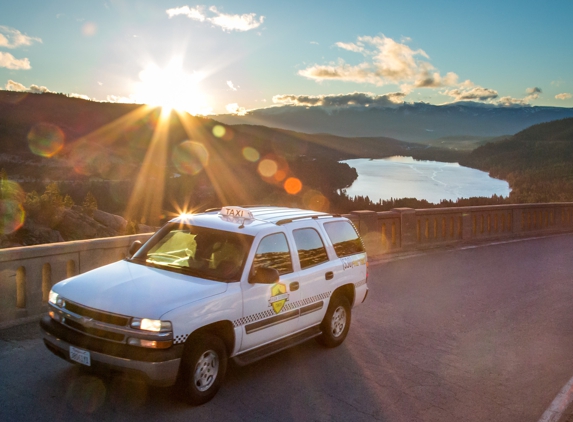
(135, 290)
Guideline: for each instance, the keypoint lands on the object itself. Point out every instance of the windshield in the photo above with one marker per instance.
(197, 251)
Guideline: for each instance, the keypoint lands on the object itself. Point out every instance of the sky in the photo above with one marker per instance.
(228, 56)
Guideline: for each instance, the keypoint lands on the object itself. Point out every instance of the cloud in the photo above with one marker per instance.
(230, 84)
(81, 96)
(234, 108)
(10, 62)
(532, 93)
(477, 93)
(563, 96)
(225, 21)
(12, 38)
(350, 47)
(314, 42)
(510, 101)
(119, 99)
(17, 86)
(195, 13)
(387, 61)
(365, 99)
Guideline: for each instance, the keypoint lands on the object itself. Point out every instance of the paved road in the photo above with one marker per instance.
(482, 334)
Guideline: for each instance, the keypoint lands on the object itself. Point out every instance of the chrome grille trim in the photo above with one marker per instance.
(90, 323)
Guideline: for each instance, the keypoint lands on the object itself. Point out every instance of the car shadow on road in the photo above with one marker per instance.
(302, 383)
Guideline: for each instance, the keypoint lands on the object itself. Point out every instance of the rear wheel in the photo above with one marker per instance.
(336, 322)
(203, 368)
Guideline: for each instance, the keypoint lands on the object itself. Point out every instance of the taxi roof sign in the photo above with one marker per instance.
(236, 212)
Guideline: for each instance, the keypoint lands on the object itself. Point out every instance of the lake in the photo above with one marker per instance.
(403, 177)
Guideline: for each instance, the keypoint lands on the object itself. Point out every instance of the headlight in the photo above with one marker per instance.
(154, 325)
(53, 297)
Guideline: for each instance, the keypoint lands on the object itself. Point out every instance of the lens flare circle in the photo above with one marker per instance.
(45, 139)
(293, 185)
(219, 131)
(315, 200)
(267, 167)
(251, 154)
(12, 213)
(190, 157)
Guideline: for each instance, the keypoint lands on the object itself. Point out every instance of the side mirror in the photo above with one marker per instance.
(135, 246)
(264, 275)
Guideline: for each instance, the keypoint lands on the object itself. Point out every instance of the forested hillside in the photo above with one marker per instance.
(537, 162)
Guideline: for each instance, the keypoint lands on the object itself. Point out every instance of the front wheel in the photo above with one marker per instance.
(203, 368)
(336, 322)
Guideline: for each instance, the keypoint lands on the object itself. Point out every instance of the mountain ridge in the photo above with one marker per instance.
(411, 122)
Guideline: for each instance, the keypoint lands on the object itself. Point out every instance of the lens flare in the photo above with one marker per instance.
(45, 139)
(89, 159)
(251, 154)
(315, 200)
(190, 157)
(12, 213)
(267, 168)
(86, 394)
(293, 185)
(219, 131)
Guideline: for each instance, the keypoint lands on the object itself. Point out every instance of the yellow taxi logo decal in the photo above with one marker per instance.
(279, 297)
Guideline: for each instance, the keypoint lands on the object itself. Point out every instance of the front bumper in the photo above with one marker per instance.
(157, 367)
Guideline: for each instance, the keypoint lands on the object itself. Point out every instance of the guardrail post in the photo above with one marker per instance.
(368, 229)
(467, 225)
(516, 216)
(409, 237)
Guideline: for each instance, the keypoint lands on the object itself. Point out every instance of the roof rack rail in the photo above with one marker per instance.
(314, 217)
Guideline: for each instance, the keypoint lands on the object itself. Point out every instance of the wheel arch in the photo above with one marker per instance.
(222, 329)
(347, 290)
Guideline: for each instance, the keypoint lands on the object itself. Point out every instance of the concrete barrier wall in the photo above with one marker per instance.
(28, 273)
(404, 229)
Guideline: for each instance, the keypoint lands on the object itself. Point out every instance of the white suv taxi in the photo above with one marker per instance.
(235, 283)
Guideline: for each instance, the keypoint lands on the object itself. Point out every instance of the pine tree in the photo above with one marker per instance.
(89, 204)
(68, 202)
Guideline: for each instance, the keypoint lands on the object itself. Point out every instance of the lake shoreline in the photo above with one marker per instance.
(405, 177)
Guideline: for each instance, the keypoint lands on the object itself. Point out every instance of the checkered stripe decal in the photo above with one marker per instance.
(288, 307)
(304, 302)
(360, 283)
(180, 339)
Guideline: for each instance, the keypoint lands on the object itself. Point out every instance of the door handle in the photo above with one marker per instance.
(329, 275)
(294, 286)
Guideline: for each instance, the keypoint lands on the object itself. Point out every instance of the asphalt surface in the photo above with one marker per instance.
(481, 334)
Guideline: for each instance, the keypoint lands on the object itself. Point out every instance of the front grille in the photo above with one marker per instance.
(97, 315)
(96, 332)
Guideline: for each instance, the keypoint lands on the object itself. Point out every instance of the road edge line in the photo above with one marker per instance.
(559, 404)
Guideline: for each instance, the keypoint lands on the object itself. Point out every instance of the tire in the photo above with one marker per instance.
(203, 368)
(336, 322)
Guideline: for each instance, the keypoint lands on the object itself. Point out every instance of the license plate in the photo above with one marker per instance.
(80, 356)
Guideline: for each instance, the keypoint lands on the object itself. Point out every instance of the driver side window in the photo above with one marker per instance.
(273, 252)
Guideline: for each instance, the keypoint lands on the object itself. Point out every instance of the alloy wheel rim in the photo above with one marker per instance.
(206, 370)
(338, 322)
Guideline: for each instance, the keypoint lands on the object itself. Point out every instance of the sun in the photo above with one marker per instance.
(171, 88)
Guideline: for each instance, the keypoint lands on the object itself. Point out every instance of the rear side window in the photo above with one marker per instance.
(310, 247)
(344, 238)
(273, 252)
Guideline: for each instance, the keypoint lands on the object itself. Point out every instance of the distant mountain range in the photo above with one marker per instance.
(417, 122)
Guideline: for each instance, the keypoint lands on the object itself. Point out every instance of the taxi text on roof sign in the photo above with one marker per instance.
(236, 212)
